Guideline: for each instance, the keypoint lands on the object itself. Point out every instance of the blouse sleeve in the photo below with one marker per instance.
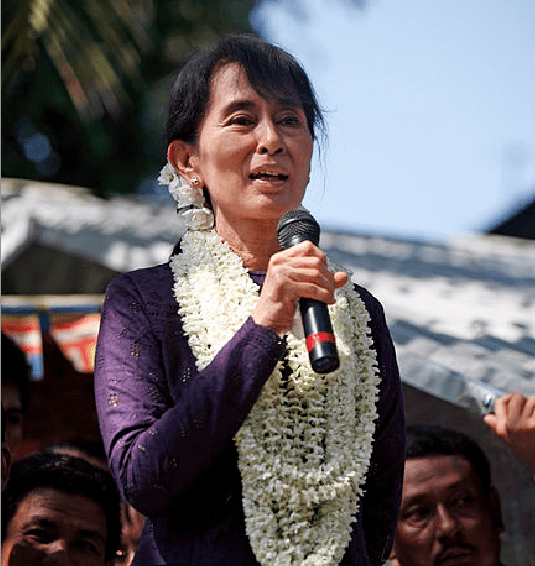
(380, 504)
(158, 443)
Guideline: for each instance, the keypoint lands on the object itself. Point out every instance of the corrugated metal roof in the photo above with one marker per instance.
(467, 305)
(121, 232)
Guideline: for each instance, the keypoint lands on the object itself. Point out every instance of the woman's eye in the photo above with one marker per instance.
(241, 120)
(290, 120)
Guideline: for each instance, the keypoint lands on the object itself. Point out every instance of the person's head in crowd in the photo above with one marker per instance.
(89, 449)
(16, 376)
(450, 513)
(132, 521)
(6, 452)
(57, 509)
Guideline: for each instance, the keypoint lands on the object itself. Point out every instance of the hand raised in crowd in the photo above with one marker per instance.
(300, 271)
(514, 422)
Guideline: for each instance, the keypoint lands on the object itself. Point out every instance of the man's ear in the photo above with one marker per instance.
(183, 157)
(6, 464)
(496, 509)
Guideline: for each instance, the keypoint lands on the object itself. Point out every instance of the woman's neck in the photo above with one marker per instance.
(254, 242)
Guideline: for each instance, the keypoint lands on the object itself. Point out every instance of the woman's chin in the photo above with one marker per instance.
(275, 211)
(264, 211)
(279, 202)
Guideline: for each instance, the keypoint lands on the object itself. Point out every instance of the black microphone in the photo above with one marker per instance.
(295, 227)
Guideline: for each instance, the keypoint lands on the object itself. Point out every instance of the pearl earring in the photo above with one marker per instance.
(195, 181)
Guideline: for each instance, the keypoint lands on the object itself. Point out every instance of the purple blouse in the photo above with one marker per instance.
(168, 429)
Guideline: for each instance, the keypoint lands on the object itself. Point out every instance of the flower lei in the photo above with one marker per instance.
(306, 444)
(191, 204)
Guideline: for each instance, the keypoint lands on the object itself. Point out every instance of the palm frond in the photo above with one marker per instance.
(95, 46)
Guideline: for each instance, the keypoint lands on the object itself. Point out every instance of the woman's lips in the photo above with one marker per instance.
(268, 176)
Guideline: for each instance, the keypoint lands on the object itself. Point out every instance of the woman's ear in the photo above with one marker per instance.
(183, 157)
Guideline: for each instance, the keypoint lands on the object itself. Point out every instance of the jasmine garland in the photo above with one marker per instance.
(190, 200)
(305, 447)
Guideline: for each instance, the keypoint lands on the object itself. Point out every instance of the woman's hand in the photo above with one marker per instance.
(514, 422)
(299, 271)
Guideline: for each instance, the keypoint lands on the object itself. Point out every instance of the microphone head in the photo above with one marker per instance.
(297, 226)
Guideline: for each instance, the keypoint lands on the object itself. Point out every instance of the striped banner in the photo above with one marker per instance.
(72, 320)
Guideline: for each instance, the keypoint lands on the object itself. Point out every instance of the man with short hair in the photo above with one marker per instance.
(450, 513)
(57, 509)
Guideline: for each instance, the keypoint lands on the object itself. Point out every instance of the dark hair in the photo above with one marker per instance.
(89, 447)
(433, 440)
(4, 423)
(16, 369)
(272, 72)
(65, 474)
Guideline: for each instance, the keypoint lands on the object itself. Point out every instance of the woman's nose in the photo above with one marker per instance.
(269, 138)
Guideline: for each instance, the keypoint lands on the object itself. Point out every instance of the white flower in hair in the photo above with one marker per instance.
(166, 174)
(191, 204)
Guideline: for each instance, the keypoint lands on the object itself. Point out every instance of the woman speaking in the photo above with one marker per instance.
(215, 425)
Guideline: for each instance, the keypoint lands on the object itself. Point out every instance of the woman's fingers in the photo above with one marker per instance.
(300, 271)
(340, 279)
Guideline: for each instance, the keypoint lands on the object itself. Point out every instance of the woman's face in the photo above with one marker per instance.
(252, 154)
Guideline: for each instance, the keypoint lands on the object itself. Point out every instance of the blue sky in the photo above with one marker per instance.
(430, 106)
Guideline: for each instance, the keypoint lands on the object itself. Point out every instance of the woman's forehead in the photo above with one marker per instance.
(230, 82)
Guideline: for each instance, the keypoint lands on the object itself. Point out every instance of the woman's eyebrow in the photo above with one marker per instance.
(247, 104)
(235, 105)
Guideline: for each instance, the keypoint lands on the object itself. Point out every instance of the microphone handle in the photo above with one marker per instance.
(319, 335)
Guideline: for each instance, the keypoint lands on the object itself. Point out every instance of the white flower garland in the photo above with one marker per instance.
(305, 447)
(190, 200)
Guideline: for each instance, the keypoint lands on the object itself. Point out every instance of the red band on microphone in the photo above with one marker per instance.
(314, 339)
